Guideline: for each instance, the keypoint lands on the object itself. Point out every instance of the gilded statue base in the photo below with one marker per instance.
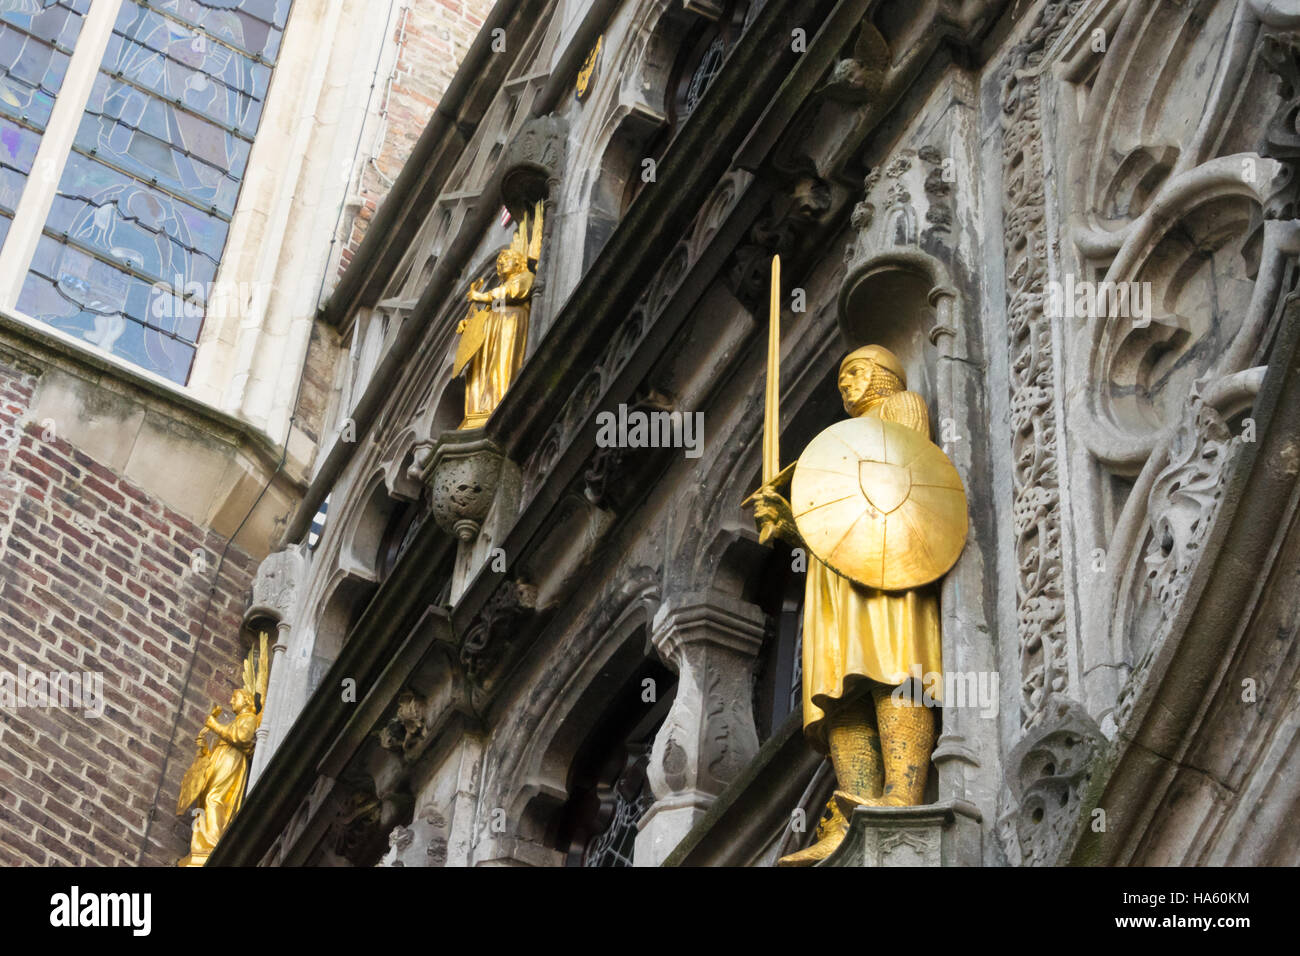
(936, 834)
(193, 859)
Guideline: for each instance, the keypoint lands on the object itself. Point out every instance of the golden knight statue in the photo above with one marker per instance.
(882, 514)
(494, 336)
(217, 777)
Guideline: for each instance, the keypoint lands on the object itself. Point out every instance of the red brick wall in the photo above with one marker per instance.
(96, 576)
(433, 40)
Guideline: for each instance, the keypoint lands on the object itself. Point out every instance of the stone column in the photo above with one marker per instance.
(952, 753)
(708, 738)
(274, 591)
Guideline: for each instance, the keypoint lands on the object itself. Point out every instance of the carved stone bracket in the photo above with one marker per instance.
(463, 476)
(938, 834)
(275, 586)
(532, 163)
(1048, 771)
(605, 478)
(785, 229)
(711, 640)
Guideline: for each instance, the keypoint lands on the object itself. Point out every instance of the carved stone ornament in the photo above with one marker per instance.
(406, 730)
(463, 479)
(605, 478)
(532, 163)
(493, 628)
(1040, 601)
(1048, 771)
(275, 586)
(422, 843)
(906, 204)
(905, 836)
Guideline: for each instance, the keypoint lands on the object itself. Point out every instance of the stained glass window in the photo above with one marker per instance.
(139, 222)
(36, 38)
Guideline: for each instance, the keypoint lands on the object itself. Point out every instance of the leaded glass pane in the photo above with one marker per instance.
(91, 300)
(31, 72)
(216, 83)
(58, 21)
(253, 26)
(179, 151)
(17, 153)
(141, 216)
(134, 224)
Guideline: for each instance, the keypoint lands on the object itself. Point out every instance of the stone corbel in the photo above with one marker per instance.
(1048, 772)
(463, 475)
(532, 164)
(406, 730)
(708, 738)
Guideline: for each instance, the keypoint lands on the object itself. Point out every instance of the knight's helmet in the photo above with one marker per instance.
(887, 375)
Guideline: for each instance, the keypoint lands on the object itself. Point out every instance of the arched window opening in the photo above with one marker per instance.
(403, 526)
(699, 62)
(608, 789)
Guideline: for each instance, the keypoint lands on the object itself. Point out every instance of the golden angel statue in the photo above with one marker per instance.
(882, 514)
(218, 774)
(494, 336)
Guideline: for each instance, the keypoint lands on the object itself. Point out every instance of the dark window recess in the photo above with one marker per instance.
(399, 534)
(608, 790)
(778, 679)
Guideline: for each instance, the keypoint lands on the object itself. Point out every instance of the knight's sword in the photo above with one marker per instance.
(772, 400)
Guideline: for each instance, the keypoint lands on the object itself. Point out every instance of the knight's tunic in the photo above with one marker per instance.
(853, 634)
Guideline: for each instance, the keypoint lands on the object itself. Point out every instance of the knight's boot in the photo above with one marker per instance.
(830, 833)
(906, 741)
(854, 748)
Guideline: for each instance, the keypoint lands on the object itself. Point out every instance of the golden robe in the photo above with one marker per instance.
(853, 634)
(227, 774)
(490, 372)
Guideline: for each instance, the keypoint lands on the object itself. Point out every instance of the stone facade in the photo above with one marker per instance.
(1073, 222)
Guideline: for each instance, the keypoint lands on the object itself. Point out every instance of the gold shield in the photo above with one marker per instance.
(880, 504)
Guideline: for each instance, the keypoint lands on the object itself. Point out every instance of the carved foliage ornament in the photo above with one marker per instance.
(1040, 607)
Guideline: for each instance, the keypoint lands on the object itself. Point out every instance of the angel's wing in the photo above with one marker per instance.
(535, 239)
(257, 670)
(194, 783)
(263, 671)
